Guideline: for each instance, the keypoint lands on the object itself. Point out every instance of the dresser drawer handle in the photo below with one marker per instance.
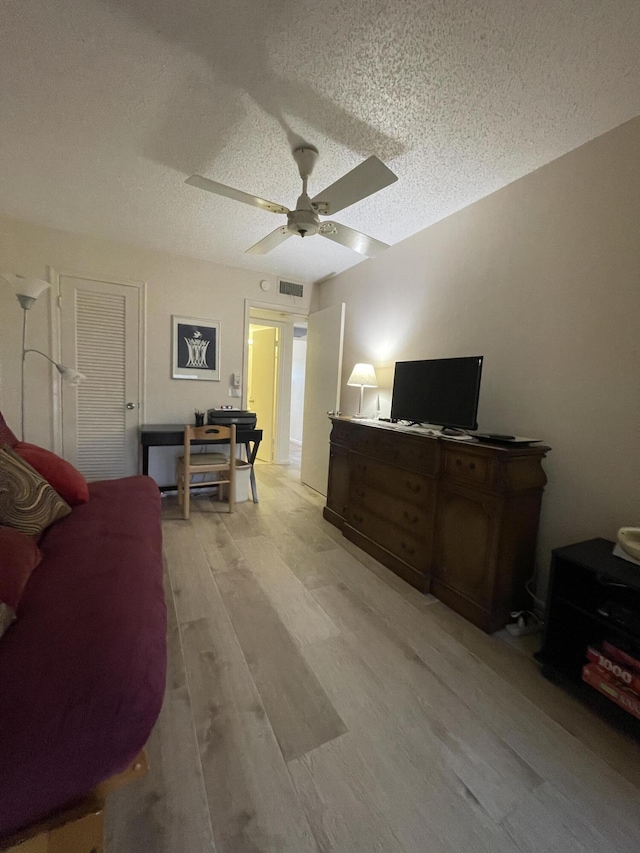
(412, 518)
(358, 518)
(413, 487)
(407, 548)
(359, 493)
(472, 465)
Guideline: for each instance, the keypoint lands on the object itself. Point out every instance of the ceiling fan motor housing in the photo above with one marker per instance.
(303, 222)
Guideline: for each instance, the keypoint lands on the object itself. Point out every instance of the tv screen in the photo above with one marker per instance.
(441, 391)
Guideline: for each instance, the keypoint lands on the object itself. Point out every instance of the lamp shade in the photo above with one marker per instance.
(73, 377)
(363, 375)
(23, 286)
(27, 290)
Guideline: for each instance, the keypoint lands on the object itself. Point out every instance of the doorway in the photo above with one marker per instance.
(275, 365)
(262, 384)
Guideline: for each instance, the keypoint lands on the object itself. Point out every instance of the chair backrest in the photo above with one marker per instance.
(213, 432)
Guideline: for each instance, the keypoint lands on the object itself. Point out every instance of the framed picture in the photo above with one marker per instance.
(196, 349)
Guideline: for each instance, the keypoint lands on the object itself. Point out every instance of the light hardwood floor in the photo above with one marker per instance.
(316, 702)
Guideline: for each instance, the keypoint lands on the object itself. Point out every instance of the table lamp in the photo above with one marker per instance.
(362, 375)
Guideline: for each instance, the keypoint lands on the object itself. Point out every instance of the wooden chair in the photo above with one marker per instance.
(207, 463)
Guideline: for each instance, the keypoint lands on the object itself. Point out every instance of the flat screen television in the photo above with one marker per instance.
(441, 391)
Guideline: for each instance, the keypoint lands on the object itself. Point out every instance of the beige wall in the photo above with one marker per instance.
(543, 279)
(175, 285)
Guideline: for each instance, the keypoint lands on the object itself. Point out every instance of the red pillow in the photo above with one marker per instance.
(6, 436)
(66, 480)
(19, 555)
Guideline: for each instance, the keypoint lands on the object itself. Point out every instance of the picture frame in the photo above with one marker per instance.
(195, 348)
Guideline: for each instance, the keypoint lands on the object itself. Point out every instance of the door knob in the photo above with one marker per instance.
(131, 405)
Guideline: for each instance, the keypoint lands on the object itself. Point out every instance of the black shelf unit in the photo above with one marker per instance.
(584, 579)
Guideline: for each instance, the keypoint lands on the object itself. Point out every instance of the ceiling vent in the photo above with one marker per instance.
(290, 288)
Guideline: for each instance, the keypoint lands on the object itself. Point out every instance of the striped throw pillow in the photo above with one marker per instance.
(27, 501)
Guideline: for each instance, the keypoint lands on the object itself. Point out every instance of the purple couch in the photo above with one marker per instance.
(82, 671)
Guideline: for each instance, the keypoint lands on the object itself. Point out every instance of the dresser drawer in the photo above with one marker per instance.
(341, 433)
(409, 516)
(414, 453)
(469, 467)
(409, 486)
(410, 548)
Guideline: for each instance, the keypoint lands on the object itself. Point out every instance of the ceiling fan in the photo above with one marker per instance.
(367, 178)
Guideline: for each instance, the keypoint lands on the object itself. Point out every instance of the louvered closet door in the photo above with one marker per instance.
(100, 338)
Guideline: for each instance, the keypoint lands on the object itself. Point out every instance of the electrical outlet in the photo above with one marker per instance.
(235, 392)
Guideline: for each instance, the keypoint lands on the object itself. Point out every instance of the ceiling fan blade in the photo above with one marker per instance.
(270, 241)
(364, 180)
(352, 239)
(236, 195)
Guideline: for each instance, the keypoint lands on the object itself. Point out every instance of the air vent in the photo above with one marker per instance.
(290, 288)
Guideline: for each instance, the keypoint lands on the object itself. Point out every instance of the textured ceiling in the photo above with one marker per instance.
(106, 106)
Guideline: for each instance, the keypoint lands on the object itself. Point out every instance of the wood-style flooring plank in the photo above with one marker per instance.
(566, 709)
(396, 775)
(253, 804)
(308, 525)
(336, 792)
(547, 821)
(567, 763)
(428, 710)
(176, 673)
(276, 494)
(217, 543)
(191, 578)
(167, 811)
(300, 713)
(283, 477)
(299, 611)
(419, 599)
(378, 593)
(301, 559)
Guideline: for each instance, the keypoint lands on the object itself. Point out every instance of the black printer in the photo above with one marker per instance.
(243, 419)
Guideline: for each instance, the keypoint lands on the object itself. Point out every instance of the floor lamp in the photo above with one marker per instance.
(365, 376)
(27, 290)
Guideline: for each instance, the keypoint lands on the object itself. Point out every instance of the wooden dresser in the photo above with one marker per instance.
(457, 519)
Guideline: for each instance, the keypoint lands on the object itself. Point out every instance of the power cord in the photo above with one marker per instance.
(525, 622)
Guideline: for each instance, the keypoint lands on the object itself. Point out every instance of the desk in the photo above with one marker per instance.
(172, 435)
